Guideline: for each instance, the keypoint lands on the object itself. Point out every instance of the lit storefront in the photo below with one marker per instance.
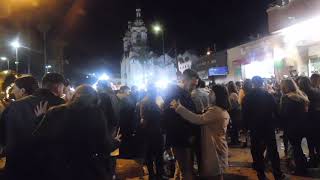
(302, 45)
(256, 58)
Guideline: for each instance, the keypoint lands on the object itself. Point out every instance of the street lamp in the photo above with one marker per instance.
(158, 29)
(16, 45)
(6, 59)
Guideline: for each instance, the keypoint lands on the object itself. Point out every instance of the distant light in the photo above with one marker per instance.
(15, 44)
(72, 89)
(208, 53)
(48, 66)
(4, 58)
(95, 86)
(6, 72)
(157, 28)
(104, 77)
(16, 62)
(142, 87)
(87, 77)
(162, 84)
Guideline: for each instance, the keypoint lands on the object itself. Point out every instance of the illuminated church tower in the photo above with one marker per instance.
(139, 65)
(135, 40)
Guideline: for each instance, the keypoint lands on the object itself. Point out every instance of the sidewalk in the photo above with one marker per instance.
(240, 168)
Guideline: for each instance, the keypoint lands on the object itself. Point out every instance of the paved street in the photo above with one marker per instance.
(240, 167)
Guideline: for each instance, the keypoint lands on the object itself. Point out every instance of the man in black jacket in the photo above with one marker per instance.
(258, 110)
(181, 135)
(110, 105)
(20, 121)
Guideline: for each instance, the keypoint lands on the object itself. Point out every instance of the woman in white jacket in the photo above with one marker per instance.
(214, 124)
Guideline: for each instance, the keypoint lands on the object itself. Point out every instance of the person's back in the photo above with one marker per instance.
(258, 109)
(200, 98)
(151, 114)
(74, 139)
(178, 130)
(293, 112)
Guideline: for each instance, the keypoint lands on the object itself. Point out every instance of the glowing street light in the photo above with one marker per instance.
(158, 29)
(104, 77)
(16, 45)
(3, 58)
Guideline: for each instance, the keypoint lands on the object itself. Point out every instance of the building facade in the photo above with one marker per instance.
(139, 65)
(292, 48)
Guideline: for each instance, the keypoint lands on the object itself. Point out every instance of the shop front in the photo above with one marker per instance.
(257, 60)
(302, 45)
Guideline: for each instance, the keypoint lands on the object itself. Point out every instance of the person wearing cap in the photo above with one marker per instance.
(21, 120)
(259, 109)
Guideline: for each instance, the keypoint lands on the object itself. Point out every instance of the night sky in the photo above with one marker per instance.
(95, 42)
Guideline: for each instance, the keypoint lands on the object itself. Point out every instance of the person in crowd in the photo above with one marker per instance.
(294, 105)
(235, 112)
(24, 86)
(67, 91)
(200, 97)
(150, 113)
(127, 120)
(21, 154)
(214, 124)
(315, 80)
(238, 85)
(258, 111)
(6, 88)
(180, 134)
(247, 87)
(74, 139)
(314, 123)
(109, 103)
(134, 94)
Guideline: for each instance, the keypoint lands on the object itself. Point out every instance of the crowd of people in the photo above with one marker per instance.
(52, 132)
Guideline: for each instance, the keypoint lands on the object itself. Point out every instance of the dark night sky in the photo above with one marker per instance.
(96, 40)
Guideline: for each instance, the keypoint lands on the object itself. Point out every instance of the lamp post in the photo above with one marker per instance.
(6, 59)
(158, 29)
(16, 45)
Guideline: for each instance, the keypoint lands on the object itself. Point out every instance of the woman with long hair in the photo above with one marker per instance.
(74, 139)
(293, 108)
(313, 119)
(214, 122)
(247, 87)
(235, 113)
(315, 80)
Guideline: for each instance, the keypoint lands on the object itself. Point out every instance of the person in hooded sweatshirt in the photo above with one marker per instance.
(293, 108)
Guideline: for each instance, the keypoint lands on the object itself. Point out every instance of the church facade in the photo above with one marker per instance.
(139, 65)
